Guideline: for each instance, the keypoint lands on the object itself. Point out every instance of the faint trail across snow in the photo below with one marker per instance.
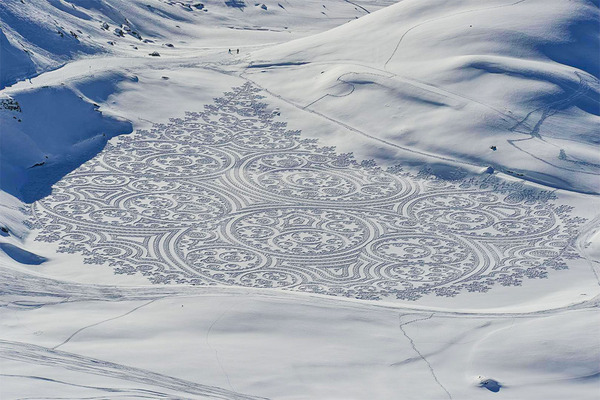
(133, 392)
(550, 109)
(67, 340)
(208, 332)
(358, 5)
(443, 17)
(414, 347)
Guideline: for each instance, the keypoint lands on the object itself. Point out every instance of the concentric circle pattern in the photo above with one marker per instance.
(229, 196)
(301, 232)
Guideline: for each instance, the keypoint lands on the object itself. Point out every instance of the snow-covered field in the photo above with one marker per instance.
(299, 199)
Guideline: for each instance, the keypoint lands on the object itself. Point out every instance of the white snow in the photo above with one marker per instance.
(286, 269)
(522, 76)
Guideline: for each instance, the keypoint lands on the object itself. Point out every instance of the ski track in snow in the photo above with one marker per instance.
(401, 325)
(39, 355)
(443, 17)
(67, 340)
(228, 196)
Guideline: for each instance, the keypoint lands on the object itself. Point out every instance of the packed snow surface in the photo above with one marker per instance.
(299, 199)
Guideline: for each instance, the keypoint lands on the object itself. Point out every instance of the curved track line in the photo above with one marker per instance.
(443, 17)
(358, 131)
(67, 340)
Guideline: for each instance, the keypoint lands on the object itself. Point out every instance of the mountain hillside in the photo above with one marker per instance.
(453, 79)
(83, 52)
(39, 35)
(299, 199)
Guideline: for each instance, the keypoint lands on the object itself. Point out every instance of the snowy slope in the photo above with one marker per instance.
(52, 131)
(288, 267)
(39, 35)
(452, 79)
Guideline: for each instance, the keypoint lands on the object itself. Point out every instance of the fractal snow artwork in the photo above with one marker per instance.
(303, 199)
(230, 196)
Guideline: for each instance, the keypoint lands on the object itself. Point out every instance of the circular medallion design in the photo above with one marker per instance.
(169, 160)
(477, 214)
(224, 259)
(300, 232)
(317, 178)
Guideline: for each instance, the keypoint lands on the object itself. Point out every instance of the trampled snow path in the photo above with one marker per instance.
(229, 196)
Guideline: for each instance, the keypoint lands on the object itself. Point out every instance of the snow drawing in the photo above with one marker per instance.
(229, 196)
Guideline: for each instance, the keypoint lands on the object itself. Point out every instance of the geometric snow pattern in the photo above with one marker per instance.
(228, 196)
